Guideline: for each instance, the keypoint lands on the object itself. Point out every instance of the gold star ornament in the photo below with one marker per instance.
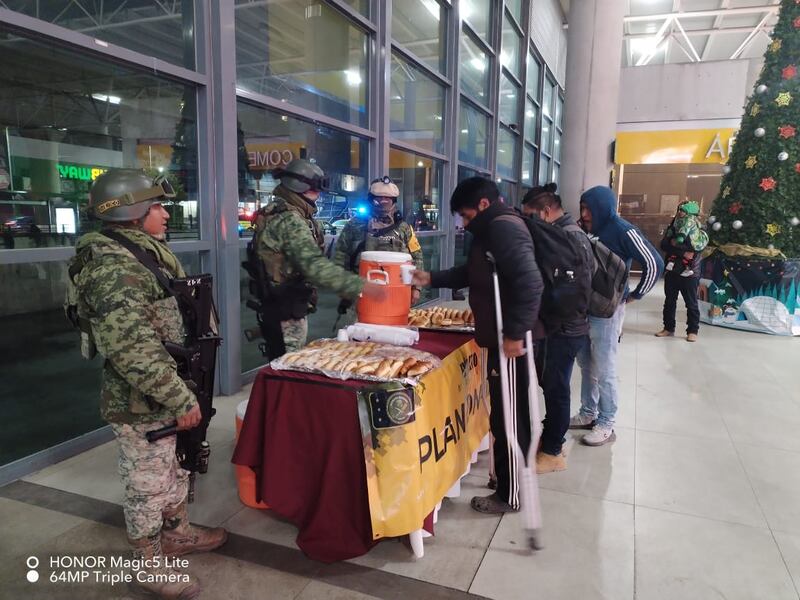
(755, 110)
(726, 192)
(783, 99)
(751, 162)
(775, 46)
(773, 229)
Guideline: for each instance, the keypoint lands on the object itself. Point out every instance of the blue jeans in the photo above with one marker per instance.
(598, 363)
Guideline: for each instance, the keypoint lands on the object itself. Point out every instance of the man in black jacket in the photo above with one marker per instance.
(564, 340)
(498, 230)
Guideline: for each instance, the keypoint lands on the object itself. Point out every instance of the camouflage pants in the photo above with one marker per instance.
(153, 479)
(295, 333)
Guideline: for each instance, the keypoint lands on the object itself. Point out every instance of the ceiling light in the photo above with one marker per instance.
(353, 77)
(479, 64)
(465, 131)
(106, 98)
(530, 113)
(420, 164)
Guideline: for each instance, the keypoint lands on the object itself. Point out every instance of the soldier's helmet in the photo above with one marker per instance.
(121, 195)
(302, 175)
(383, 187)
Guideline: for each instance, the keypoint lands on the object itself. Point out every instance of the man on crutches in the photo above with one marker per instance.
(502, 248)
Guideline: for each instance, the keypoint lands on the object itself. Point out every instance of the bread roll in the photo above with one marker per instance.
(418, 369)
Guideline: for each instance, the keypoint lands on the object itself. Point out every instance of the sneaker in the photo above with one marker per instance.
(547, 463)
(687, 273)
(599, 436)
(691, 337)
(665, 333)
(491, 505)
(581, 421)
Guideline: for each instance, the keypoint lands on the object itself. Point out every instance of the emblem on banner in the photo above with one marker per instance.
(391, 408)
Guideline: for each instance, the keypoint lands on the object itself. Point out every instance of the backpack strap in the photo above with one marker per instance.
(143, 256)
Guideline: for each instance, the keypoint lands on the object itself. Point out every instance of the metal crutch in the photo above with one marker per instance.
(529, 486)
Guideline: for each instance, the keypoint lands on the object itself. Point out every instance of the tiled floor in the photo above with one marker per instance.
(699, 498)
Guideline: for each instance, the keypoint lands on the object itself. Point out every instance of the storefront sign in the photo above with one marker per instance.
(265, 157)
(418, 443)
(68, 171)
(682, 146)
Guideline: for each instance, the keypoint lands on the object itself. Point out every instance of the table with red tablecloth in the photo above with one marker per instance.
(303, 436)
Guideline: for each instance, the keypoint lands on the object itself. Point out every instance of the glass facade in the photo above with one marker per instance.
(196, 90)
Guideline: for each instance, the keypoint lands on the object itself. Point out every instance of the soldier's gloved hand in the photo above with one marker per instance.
(344, 306)
(190, 419)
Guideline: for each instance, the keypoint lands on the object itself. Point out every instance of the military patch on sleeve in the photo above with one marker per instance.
(413, 243)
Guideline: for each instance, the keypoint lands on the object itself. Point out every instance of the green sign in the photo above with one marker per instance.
(68, 171)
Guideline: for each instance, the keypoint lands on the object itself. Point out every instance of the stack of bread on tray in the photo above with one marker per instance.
(358, 360)
(440, 317)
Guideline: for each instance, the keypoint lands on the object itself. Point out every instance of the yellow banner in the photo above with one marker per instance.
(418, 443)
(682, 146)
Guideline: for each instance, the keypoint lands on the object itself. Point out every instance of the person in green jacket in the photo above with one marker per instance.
(382, 229)
(289, 243)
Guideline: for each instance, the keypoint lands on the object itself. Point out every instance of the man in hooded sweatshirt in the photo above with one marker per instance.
(598, 362)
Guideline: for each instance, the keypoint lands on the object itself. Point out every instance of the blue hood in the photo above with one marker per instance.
(602, 203)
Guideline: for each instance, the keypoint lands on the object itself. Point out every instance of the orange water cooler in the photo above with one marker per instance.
(383, 268)
(245, 477)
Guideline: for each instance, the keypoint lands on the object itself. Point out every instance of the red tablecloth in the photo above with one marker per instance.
(301, 436)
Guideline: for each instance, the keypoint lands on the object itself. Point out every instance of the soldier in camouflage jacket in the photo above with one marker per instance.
(289, 243)
(383, 229)
(128, 315)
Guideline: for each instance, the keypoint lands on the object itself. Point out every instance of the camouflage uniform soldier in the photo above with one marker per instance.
(384, 229)
(127, 314)
(289, 243)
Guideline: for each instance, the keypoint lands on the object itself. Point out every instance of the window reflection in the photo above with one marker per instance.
(420, 182)
(417, 106)
(307, 54)
(420, 27)
(66, 118)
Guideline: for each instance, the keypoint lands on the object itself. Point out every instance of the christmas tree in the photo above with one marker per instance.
(759, 200)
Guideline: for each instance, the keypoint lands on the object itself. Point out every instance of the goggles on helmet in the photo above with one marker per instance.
(316, 183)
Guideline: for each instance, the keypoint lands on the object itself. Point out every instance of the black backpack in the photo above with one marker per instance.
(566, 274)
(609, 279)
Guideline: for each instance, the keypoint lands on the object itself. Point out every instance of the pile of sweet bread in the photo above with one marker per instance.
(439, 316)
(358, 360)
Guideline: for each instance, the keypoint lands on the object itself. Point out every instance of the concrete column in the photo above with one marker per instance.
(594, 52)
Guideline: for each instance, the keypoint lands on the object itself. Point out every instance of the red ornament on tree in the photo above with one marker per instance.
(789, 72)
(797, 167)
(735, 208)
(768, 184)
(787, 131)
(796, 23)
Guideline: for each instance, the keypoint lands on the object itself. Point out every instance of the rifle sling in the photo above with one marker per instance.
(142, 256)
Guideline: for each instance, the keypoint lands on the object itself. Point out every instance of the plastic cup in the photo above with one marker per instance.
(407, 273)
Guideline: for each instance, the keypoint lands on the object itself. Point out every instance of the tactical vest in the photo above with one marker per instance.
(269, 250)
(386, 239)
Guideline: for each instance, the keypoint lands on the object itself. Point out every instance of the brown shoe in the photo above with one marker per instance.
(159, 579)
(665, 333)
(691, 337)
(547, 463)
(179, 536)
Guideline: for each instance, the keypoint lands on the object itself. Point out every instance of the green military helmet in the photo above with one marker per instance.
(121, 195)
(302, 175)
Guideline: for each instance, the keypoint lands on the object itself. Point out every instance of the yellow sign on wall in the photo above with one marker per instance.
(681, 146)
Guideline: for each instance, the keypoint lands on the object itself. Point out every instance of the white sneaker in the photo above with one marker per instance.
(581, 421)
(599, 435)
